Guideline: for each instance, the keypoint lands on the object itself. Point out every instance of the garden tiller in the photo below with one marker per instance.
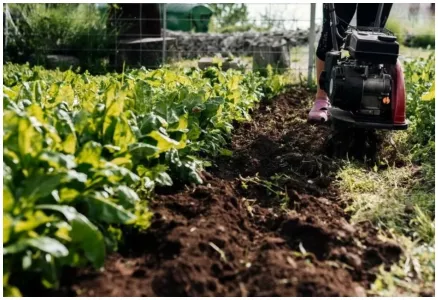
(366, 88)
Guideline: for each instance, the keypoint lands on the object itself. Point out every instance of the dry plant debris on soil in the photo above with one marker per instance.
(268, 222)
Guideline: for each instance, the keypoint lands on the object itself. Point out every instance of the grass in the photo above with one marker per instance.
(390, 199)
(400, 202)
(414, 52)
(395, 201)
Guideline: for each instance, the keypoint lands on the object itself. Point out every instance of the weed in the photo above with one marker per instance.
(390, 198)
(272, 186)
(413, 275)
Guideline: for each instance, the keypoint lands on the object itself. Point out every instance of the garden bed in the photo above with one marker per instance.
(231, 237)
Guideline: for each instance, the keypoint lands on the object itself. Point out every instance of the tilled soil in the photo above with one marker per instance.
(221, 239)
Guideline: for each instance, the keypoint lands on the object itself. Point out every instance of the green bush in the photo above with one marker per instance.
(36, 30)
(420, 90)
(425, 39)
(421, 36)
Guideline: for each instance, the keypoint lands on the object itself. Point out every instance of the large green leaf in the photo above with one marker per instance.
(164, 109)
(43, 243)
(123, 135)
(127, 197)
(143, 150)
(151, 122)
(195, 130)
(39, 186)
(67, 129)
(212, 108)
(157, 173)
(103, 209)
(83, 232)
(116, 174)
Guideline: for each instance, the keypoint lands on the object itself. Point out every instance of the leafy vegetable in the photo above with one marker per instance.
(78, 149)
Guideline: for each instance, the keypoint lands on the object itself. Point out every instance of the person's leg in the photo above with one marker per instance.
(344, 12)
(320, 94)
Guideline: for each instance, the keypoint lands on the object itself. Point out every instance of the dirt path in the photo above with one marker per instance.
(221, 239)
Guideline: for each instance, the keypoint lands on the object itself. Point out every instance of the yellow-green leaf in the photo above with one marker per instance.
(123, 135)
(30, 141)
(69, 145)
(430, 95)
(33, 220)
(234, 82)
(11, 291)
(114, 110)
(63, 231)
(170, 77)
(68, 195)
(122, 161)
(36, 111)
(8, 199)
(90, 154)
(7, 227)
(10, 93)
(164, 143)
(183, 122)
(66, 94)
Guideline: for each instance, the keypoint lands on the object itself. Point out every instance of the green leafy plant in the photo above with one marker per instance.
(420, 90)
(79, 150)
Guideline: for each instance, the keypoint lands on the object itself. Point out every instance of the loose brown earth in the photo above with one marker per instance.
(220, 239)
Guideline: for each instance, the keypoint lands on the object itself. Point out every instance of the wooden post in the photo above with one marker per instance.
(311, 44)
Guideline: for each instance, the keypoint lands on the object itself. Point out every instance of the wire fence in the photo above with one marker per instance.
(283, 35)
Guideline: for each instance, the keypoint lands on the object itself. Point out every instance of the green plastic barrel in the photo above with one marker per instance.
(185, 17)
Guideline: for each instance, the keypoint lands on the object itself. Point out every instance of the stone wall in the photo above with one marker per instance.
(194, 45)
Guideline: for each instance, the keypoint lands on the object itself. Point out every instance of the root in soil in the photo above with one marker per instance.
(221, 239)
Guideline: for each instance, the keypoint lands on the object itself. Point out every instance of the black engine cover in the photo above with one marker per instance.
(358, 88)
(379, 47)
(360, 84)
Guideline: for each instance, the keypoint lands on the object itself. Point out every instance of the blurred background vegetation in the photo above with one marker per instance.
(81, 30)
